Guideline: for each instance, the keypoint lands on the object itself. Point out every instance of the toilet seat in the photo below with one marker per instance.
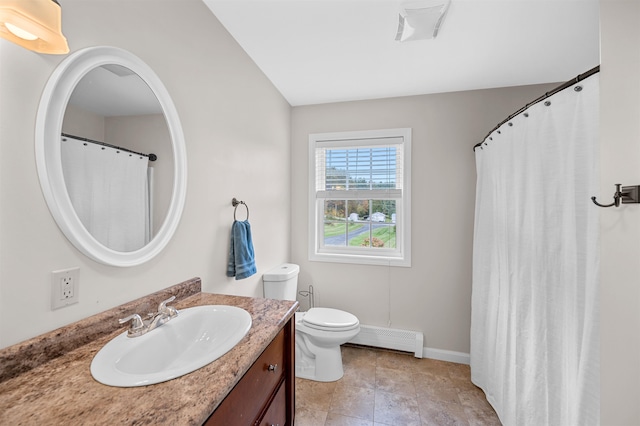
(328, 319)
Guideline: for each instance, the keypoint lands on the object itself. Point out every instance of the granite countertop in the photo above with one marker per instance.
(47, 380)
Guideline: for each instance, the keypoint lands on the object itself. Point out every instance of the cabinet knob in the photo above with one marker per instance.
(273, 367)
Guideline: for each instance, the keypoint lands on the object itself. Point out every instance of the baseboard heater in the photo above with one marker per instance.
(389, 338)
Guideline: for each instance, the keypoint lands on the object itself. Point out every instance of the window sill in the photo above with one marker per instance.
(360, 259)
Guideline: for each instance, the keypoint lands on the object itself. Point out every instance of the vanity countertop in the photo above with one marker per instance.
(61, 390)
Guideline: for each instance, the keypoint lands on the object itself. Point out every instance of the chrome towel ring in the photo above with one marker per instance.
(235, 204)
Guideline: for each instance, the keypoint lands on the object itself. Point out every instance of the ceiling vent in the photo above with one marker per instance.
(421, 20)
(118, 70)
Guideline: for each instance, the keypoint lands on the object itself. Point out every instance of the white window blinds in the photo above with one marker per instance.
(367, 168)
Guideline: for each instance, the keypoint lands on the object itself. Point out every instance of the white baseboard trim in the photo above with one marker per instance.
(444, 355)
(390, 338)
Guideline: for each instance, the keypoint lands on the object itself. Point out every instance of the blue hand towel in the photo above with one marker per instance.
(242, 262)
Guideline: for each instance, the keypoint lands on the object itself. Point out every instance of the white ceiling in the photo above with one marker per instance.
(319, 51)
(113, 90)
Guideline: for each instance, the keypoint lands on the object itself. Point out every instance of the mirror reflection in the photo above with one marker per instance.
(112, 124)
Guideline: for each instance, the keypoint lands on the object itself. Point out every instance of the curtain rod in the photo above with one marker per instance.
(152, 157)
(542, 98)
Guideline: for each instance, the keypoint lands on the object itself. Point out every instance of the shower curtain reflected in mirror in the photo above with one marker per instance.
(109, 190)
(534, 332)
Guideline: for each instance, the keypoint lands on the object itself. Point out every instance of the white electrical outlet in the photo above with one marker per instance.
(64, 287)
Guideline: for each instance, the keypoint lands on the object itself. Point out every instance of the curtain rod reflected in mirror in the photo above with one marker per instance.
(152, 157)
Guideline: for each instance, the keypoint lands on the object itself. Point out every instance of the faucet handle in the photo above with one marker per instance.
(136, 321)
(169, 310)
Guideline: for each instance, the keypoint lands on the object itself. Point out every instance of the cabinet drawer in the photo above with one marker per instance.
(249, 397)
(277, 413)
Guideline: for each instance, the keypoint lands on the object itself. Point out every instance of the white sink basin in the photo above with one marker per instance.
(196, 337)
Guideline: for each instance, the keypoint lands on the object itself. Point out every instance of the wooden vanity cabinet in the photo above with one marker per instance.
(266, 393)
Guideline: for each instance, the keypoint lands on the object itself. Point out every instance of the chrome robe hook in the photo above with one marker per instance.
(626, 195)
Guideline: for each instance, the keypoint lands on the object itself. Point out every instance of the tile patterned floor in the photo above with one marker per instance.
(388, 388)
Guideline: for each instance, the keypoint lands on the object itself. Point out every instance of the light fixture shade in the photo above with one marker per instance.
(40, 19)
(421, 20)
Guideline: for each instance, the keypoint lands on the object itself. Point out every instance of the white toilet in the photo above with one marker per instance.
(319, 331)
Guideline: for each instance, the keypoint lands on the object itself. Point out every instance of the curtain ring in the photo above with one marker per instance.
(235, 204)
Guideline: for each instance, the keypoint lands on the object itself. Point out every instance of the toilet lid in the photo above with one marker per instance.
(330, 319)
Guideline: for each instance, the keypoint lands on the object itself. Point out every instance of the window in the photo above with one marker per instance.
(359, 202)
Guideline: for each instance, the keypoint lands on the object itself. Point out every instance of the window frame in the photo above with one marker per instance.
(401, 255)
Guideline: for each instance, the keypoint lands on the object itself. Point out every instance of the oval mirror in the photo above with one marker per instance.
(111, 156)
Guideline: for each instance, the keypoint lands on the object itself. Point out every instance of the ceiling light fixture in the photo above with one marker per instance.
(421, 20)
(33, 24)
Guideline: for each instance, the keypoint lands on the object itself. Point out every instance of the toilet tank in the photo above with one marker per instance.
(281, 282)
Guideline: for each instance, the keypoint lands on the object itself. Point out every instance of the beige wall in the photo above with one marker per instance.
(620, 228)
(80, 122)
(434, 295)
(236, 127)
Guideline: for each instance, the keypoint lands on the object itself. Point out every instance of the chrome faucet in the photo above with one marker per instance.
(139, 326)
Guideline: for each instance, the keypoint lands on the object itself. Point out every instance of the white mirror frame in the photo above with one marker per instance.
(49, 163)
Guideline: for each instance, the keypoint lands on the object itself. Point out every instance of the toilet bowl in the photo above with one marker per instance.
(319, 331)
(319, 334)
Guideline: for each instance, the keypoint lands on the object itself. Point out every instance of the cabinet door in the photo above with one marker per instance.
(277, 413)
(249, 398)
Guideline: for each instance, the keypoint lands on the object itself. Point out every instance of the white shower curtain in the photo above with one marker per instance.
(534, 331)
(109, 192)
